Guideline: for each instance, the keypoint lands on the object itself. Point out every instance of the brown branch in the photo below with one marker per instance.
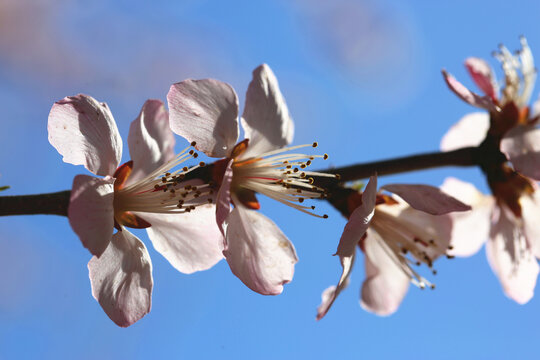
(57, 203)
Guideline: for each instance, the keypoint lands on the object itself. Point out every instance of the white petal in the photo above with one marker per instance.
(330, 294)
(470, 229)
(510, 259)
(223, 201)
(386, 284)
(358, 221)
(471, 130)
(522, 147)
(205, 111)
(189, 241)
(266, 120)
(530, 206)
(150, 140)
(427, 198)
(91, 212)
(258, 252)
(121, 279)
(83, 131)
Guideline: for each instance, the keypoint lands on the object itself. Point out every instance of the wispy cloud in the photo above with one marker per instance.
(370, 43)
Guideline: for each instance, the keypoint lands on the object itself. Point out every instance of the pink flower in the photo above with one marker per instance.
(513, 241)
(508, 218)
(510, 122)
(206, 111)
(394, 232)
(142, 193)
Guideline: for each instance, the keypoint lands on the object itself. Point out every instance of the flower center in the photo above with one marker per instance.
(163, 191)
(406, 240)
(278, 174)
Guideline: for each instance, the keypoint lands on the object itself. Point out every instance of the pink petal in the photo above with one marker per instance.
(190, 241)
(223, 201)
(121, 279)
(205, 111)
(91, 212)
(514, 264)
(150, 140)
(470, 230)
(266, 120)
(521, 145)
(386, 284)
(471, 130)
(330, 294)
(466, 95)
(530, 206)
(83, 131)
(483, 76)
(358, 221)
(258, 252)
(427, 198)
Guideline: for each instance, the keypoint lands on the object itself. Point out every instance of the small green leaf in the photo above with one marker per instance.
(2, 188)
(358, 185)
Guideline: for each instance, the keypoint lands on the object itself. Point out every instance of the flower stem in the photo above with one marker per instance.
(57, 203)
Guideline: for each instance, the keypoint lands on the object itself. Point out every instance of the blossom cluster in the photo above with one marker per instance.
(198, 213)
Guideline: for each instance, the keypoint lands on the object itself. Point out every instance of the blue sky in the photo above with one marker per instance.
(360, 77)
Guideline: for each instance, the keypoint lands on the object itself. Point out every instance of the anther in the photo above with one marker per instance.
(450, 256)
(308, 162)
(325, 156)
(193, 143)
(164, 179)
(185, 168)
(315, 144)
(300, 200)
(202, 164)
(338, 176)
(195, 155)
(325, 216)
(432, 286)
(191, 152)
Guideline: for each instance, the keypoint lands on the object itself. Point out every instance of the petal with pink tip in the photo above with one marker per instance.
(427, 198)
(266, 120)
(483, 76)
(83, 131)
(386, 284)
(470, 130)
(205, 111)
(258, 252)
(466, 95)
(358, 221)
(521, 145)
(223, 201)
(470, 230)
(150, 140)
(91, 212)
(511, 260)
(190, 241)
(121, 279)
(330, 294)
